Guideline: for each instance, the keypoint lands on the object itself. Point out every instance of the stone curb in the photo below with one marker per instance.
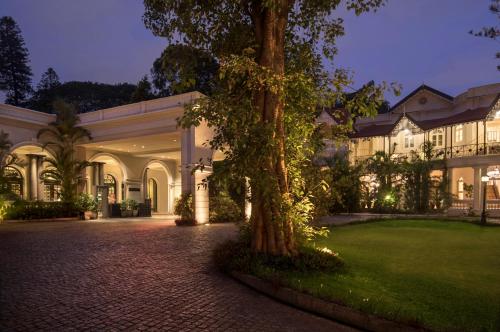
(324, 308)
(43, 220)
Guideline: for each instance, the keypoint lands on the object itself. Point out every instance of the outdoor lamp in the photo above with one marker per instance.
(485, 180)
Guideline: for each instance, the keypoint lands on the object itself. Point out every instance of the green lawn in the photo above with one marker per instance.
(444, 275)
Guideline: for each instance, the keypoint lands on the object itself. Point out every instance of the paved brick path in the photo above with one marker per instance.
(113, 276)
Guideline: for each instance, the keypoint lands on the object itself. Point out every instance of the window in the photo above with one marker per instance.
(14, 181)
(153, 194)
(492, 136)
(409, 141)
(110, 181)
(51, 191)
(459, 133)
(437, 139)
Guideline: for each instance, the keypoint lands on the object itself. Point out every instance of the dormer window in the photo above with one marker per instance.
(459, 133)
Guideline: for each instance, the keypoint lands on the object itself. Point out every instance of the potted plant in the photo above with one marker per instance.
(184, 208)
(87, 206)
(129, 208)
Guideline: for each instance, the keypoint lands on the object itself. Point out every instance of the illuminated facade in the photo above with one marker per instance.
(465, 132)
(134, 147)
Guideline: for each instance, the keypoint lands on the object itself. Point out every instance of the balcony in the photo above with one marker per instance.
(459, 151)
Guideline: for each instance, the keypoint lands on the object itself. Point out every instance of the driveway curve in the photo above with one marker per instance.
(144, 275)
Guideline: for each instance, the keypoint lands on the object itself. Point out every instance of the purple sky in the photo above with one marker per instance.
(408, 41)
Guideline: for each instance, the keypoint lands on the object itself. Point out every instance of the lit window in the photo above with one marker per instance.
(492, 136)
(409, 141)
(459, 133)
(437, 139)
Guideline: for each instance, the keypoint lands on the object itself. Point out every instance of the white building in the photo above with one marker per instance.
(465, 131)
(137, 150)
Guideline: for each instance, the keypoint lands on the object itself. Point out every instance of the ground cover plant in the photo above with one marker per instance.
(441, 274)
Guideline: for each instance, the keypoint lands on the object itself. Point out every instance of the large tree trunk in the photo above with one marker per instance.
(271, 226)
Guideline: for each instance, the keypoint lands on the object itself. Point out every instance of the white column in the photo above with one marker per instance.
(40, 183)
(201, 197)
(187, 143)
(478, 187)
(32, 177)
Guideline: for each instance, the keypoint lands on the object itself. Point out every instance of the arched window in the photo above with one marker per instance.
(14, 181)
(110, 181)
(153, 194)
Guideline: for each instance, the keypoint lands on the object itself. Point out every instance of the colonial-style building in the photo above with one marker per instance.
(465, 132)
(137, 150)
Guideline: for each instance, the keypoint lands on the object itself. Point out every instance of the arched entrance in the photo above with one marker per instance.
(25, 179)
(158, 186)
(114, 175)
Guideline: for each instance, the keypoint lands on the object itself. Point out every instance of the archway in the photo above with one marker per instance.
(32, 161)
(158, 185)
(114, 175)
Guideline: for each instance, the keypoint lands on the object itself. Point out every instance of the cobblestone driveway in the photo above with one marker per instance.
(146, 275)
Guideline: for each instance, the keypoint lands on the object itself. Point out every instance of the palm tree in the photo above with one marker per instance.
(61, 136)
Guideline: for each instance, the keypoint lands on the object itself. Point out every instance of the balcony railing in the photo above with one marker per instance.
(466, 204)
(458, 151)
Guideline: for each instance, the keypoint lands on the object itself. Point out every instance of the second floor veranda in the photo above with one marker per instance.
(471, 133)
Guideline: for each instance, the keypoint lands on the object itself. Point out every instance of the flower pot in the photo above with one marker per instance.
(89, 215)
(126, 213)
(135, 213)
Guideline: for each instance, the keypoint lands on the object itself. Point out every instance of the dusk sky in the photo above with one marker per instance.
(408, 41)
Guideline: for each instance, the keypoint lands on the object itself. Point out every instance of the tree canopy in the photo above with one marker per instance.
(84, 96)
(271, 81)
(15, 72)
(182, 68)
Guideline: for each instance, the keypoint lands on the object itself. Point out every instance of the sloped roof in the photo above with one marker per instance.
(340, 115)
(470, 115)
(373, 131)
(417, 90)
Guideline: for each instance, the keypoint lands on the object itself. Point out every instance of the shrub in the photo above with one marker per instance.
(224, 209)
(86, 202)
(184, 207)
(129, 205)
(237, 256)
(25, 210)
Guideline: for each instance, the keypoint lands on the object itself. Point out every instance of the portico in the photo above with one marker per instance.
(137, 151)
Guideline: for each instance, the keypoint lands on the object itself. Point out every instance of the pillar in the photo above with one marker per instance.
(40, 182)
(187, 142)
(33, 175)
(478, 187)
(97, 176)
(145, 185)
(201, 196)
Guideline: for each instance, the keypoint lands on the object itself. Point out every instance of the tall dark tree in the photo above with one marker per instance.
(46, 92)
(492, 32)
(15, 72)
(85, 96)
(49, 80)
(263, 114)
(182, 68)
(143, 91)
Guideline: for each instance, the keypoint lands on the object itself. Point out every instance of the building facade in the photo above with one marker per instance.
(464, 130)
(137, 151)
